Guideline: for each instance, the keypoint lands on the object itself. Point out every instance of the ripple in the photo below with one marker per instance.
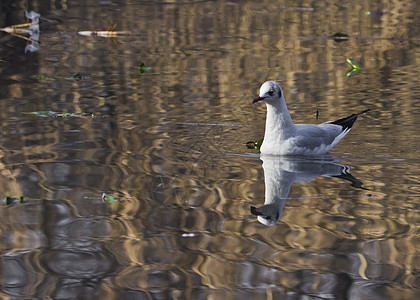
(72, 264)
(379, 228)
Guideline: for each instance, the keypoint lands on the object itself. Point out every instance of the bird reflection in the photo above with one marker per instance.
(281, 172)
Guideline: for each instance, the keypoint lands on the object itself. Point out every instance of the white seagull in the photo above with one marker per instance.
(283, 137)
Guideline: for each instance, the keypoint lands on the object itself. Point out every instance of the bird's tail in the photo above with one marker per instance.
(348, 122)
(363, 112)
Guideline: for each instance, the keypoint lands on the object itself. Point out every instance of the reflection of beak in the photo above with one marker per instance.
(258, 99)
(254, 210)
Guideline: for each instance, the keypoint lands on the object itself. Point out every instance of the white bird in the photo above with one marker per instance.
(283, 137)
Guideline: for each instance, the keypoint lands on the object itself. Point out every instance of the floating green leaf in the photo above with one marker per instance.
(42, 77)
(41, 113)
(375, 13)
(11, 200)
(355, 67)
(143, 68)
(317, 113)
(340, 37)
(254, 144)
(108, 198)
(76, 76)
(354, 64)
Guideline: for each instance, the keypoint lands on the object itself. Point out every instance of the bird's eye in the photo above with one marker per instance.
(271, 92)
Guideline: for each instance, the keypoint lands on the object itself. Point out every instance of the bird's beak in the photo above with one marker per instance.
(255, 212)
(257, 99)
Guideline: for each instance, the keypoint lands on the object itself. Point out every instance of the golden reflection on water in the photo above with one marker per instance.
(169, 145)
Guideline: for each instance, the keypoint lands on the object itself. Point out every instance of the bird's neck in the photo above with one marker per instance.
(277, 186)
(279, 124)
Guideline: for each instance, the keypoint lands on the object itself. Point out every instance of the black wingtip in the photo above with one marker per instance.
(363, 112)
(348, 122)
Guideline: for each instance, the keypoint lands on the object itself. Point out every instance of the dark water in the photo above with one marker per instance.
(168, 144)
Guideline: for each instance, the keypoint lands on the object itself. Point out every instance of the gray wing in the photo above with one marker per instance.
(313, 136)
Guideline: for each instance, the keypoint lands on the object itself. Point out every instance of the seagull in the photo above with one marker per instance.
(283, 137)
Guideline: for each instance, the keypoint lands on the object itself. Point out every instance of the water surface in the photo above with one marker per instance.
(169, 145)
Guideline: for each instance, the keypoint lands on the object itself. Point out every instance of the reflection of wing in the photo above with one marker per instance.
(281, 172)
(354, 181)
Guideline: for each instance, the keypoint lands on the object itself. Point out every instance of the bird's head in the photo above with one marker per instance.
(270, 92)
(268, 214)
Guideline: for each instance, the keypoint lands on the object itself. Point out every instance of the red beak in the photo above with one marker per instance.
(257, 99)
(255, 212)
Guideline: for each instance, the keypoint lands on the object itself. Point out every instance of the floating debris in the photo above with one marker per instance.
(355, 67)
(108, 198)
(48, 113)
(377, 13)
(31, 28)
(42, 77)
(41, 113)
(188, 235)
(340, 37)
(317, 113)
(299, 8)
(11, 200)
(94, 116)
(254, 144)
(77, 77)
(109, 33)
(143, 68)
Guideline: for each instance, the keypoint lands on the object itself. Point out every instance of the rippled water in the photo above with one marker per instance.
(167, 147)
